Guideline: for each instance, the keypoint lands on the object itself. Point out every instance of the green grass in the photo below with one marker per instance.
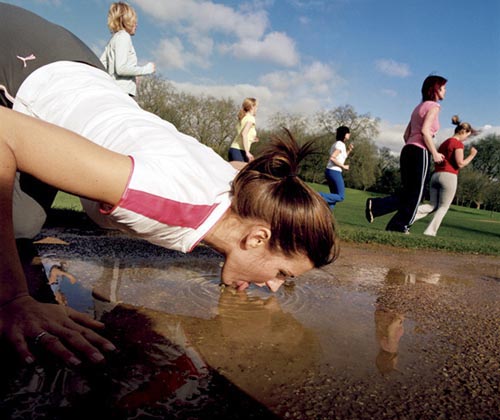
(65, 201)
(463, 230)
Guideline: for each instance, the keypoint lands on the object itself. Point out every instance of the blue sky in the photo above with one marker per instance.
(303, 56)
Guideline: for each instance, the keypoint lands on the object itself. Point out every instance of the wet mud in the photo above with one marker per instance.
(381, 333)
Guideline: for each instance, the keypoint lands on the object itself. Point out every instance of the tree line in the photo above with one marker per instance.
(213, 120)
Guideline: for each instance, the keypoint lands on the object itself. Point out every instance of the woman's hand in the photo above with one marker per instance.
(57, 329)
(437, 157)
(250, 156)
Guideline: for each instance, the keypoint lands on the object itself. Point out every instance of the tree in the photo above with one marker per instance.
(297, 124)
(158, 97)
(472, 187)
(492, 200)
(389, 181)
(487, 159)
(210, 120)
(363, 165)
(300, 128)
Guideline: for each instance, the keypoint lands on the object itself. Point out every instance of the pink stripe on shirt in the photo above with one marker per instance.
(169, 212)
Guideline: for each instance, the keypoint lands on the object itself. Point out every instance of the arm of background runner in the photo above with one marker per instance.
(122, 66)
(429, 118)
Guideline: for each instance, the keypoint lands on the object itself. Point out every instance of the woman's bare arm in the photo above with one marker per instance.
(459, 157)
(69, 162)
(429, 118)
(62, 158)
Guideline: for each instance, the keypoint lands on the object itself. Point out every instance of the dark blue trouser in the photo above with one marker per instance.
(236, 155)
(337, 188)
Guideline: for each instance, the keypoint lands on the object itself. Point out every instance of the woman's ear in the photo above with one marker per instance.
(259, 235)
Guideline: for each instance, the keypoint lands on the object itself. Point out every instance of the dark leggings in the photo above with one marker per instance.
(237, 155)
(414, 168)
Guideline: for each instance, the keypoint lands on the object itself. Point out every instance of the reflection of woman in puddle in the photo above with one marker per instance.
(56, 274)
(265, 220)
(251, 341)
(264, 341)
(251, 344)
(388, 331)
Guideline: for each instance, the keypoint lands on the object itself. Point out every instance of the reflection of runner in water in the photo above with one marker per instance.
(56, 274)
(141, 175)
(388, 330)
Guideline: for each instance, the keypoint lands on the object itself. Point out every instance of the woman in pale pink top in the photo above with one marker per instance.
(414, 160)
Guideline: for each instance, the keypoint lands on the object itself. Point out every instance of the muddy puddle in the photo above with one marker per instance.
(381, 333)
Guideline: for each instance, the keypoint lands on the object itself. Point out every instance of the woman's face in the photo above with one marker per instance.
(262, 267)
(441, 92)
(132, 27)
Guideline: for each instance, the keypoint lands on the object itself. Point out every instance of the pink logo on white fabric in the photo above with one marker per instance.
(24, 59)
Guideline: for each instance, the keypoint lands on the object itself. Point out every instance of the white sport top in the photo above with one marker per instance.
(341, 157)
(178, 188)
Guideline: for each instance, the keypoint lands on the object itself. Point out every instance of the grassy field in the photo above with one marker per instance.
(463, 230)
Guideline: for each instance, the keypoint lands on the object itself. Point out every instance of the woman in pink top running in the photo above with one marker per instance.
(414, 160)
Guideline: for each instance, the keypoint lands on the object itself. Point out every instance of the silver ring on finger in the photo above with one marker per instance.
(37, 339)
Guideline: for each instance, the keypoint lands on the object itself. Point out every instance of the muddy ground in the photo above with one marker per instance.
(382, 333)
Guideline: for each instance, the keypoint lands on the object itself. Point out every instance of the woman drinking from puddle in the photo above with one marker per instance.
(75, 130)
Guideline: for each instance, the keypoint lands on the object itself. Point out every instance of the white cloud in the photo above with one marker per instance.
(392, 68)
(390, 136)
(304, 20)
(50, 2)
(235, 92)
(389, 92)
(275, 47)
(171, 54)
(488, 129)
(206, 16)
(297, 92)
(198, 24)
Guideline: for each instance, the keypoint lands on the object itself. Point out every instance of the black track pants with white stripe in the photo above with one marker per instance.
(414, 167)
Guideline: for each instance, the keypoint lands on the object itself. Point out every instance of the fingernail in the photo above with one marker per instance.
(109, 347)
(74, 361)
(97, 357)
